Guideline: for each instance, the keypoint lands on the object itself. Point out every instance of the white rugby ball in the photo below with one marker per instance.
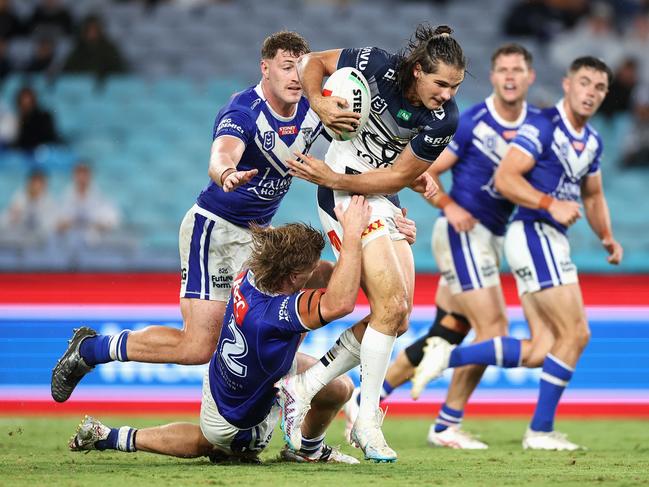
(350, 84)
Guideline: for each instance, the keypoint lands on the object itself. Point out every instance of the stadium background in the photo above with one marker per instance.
(147, 135)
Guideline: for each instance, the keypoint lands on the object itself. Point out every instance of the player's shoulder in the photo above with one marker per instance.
(475, 113)
(542, 118)
(247, 101)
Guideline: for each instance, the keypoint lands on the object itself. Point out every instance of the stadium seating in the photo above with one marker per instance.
(149, 133)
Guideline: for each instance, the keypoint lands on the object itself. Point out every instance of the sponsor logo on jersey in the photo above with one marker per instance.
(390, 74)
(364, 58)
(283, 310)
(439, 113)
(578, 145)
(437, 141)
(335, 240)
(378, 105)
(239, 304)
(509, 134)
(404, 115)
(372, 227)
(288, 130)
(269, 140)
(227, 123)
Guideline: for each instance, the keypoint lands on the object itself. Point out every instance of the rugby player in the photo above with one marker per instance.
(412, 119)
(553, 161)
(253, 134)
(265, 320)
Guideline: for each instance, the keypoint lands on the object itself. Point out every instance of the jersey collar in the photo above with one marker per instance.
(491, 106)
(564, 116)
(260, 92)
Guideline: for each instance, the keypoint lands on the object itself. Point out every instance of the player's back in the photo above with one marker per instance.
(564, 157)
(480, 143)
(270, 139)
(394, 122)
(257, 346)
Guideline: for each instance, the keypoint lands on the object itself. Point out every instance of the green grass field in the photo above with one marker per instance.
(34, 452)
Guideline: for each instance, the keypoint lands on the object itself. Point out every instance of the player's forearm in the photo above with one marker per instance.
(379, 181)
(518, 190)
(311, 71)
(342, 291)
(221, 164)
(598, 215)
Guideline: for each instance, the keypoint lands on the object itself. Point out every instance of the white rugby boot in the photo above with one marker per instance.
(366, 434)
(350, 409)
(548, 440)
(454, 437)
(294, 409)
(88, 433)
(437, 354)
(327, 454)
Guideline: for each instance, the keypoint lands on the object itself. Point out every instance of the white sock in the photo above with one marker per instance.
(343, 356)
(376, 350)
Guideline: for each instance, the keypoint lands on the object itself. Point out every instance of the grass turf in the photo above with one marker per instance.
(34, 452)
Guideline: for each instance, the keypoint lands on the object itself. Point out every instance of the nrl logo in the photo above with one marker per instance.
(269, 140)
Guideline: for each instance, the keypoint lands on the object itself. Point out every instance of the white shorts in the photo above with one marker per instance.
(467, 260)
(212, 253)
(381, 222)
(228, 438)
(539, 256)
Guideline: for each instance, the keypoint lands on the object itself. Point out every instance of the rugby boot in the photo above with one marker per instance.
(437, 354)
(70, 368)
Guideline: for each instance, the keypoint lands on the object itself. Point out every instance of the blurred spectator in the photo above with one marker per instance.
(635, 151)
(94, 53)
(636, 43)
(624, 81)
(42, 60)
(51, 18)
(594, 36)
(8, 126)
(543, 19)
(85, 215)
(35, 125)
(10, 24)
(5, 62)
(28, 221)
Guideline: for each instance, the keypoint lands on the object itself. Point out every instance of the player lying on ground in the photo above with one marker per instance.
(552, 162)
(215, 239)
(412, 119)
(265, 319)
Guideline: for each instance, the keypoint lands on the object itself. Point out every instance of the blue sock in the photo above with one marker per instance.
(311, 446)
(448, 417)
(386, 390)
(500, 351)
(122, 439)
(554, 379)
(102, 349)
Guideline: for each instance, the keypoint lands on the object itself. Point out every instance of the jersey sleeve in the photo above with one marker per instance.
(236, 123)
(428, 144)
(597, 160)
(534, 136)
(284, 314)
(463, 134)
(368, 60)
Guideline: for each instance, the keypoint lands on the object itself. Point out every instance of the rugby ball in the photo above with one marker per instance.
(350, 84)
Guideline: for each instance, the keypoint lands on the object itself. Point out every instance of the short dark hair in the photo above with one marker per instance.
(593, 63)
(278, 252)
(428, 47)
(285, 40)
(512, 48)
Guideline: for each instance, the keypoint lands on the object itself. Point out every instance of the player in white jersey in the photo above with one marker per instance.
(552, 162)
(413, 117)
(467, 242)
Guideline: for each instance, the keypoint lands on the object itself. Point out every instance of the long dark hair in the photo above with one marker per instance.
(428, 47)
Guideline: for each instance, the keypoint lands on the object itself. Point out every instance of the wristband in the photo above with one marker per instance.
(545, 202)
(606, 235)
(225, 174)
(443, 201)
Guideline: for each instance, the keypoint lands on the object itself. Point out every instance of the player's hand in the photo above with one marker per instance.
(460, 219)
(331, 110)
(406, 226)
(311, 169)
(355, 218)
(237, 178)
(425, 184)
(614, 249)
(565, 212)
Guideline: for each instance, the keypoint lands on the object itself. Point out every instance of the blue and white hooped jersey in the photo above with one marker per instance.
(394, 122)
(258, 342)
(564, 157)
(480, 143)
(270, 139)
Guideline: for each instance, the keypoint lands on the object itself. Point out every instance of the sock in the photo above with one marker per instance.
(386, 390)
(312, 446)
(500, 351)
(102, 349)
(122, 439)
(554, 379)
(343, 356)
(448, 417)
(376, 349)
